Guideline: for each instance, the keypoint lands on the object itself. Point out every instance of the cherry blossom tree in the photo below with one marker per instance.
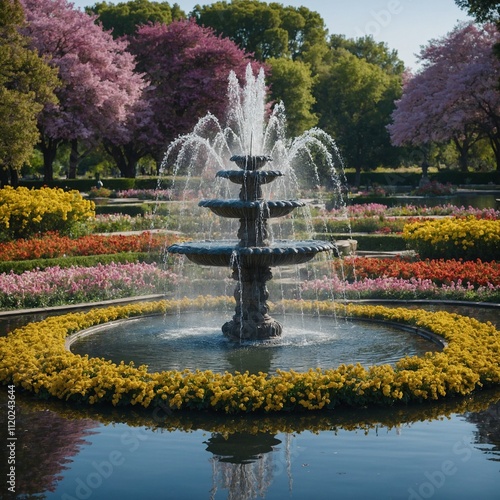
(455, 96)
(187, 68)
(99, 83)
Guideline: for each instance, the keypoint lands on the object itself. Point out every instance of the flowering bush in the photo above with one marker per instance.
(35, 358)
(434, 188)
(52, 245)
(25, 212)
(382, 211)
(99, 192)
(55, 286)
(145, 194)
(473, 273)
(468, 238)
(387, 287)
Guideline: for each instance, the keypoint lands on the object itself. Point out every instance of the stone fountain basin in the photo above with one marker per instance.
(242, 176)
(238, 209)
(226, 253)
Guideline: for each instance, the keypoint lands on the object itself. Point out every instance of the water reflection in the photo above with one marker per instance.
(245, 452)
(47, 443)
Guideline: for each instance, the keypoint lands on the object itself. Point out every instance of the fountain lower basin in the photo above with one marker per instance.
(226, 253)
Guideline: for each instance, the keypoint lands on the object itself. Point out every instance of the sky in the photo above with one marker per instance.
(404, 25)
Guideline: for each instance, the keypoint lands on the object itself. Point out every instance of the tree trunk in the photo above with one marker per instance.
(74, 159)
(14, 177)
(126, 158)
(49, 150)
(357, 179)
(4, 176)
(463, 153)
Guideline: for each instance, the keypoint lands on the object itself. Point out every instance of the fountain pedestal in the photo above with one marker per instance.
(251, 319)
(253, 255)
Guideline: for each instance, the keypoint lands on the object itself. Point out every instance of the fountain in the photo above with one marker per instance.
(252, 256)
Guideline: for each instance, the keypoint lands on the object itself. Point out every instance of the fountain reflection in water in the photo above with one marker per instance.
(256, 251)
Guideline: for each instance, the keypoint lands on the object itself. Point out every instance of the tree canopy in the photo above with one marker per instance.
(357, 99)
(481, 10)
(99, 81)
(264, 29)
(187, 68)
(124, 18)
(455, 96)
(27, 83)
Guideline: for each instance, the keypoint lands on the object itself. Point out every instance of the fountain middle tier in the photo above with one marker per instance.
(229, 253)
(252, 210)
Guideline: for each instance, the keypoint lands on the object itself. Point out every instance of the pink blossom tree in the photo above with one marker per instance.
(99, 84)
(455, 96)
(187, 68)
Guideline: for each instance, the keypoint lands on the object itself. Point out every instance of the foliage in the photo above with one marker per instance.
(482, 10)
(35, 359)
(186, 67)
(465, 238)
(434, 188)
(25, 213)
(27, 83)
(111, 223)
(51, 245)
(355, 101)
(454, 97)
(123, 18)
(267, 30)
(74, 285)
(99, 87)
(292, 83)
(99, 192)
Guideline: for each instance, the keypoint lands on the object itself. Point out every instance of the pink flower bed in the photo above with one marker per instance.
(56, 286)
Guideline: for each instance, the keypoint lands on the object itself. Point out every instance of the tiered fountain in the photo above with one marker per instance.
(252, 256)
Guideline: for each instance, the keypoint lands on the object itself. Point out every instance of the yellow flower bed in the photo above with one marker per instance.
(466, 238)
(34, 358)
(24, 212)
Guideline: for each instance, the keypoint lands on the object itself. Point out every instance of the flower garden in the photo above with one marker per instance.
(454, 258)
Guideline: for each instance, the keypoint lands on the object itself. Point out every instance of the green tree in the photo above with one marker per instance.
(481, 10)
(355, 101)
(124, 17)
(27, 83)
(292, 83)
(371, 51)
(264, 29)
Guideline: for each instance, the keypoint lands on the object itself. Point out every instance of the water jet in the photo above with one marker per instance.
(252, 256)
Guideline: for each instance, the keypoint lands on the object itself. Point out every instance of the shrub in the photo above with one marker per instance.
(25, 212)
(466, 238)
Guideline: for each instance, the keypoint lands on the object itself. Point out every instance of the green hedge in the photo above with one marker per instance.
(20, 266)
(115, 184)
(132, 209)
(395, 178)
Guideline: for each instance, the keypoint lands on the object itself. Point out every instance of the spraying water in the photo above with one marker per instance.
(252, 138)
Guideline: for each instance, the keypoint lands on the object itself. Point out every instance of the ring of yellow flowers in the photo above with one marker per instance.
(35, 358)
